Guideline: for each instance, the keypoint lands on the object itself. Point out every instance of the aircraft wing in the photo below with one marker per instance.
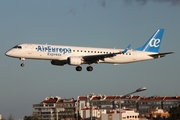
(96, 58)
(159, 55)
(89, 59)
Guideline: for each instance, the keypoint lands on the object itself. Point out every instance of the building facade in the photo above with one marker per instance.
(55, 108)
(140, 104)
(0, 116)
(120, 114)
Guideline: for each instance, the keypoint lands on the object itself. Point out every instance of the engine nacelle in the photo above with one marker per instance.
(75, 61)
(58, 62)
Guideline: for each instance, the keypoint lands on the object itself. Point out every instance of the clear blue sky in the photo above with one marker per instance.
(95, 23)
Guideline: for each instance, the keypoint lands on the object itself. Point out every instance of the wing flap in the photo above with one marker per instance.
(96, 58)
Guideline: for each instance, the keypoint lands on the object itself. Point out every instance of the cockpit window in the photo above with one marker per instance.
(17, 47)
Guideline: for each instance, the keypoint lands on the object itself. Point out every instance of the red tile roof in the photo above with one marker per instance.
(131, 97)
(50, 100)
(82, 98)
(58, 100)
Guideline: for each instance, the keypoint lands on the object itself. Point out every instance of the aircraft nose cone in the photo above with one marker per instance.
(8, 53)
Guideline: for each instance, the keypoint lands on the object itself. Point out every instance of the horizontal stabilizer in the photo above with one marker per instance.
(159, 55)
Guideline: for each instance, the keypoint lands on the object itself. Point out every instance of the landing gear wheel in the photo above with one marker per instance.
(22, 64)
(89, 68)
(22, 59)
(78, 68)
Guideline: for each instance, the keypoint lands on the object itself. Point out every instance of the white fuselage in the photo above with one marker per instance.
(76, 56)
(56, 52)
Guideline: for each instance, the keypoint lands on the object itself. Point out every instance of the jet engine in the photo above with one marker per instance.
(75, 61)
(58, 62)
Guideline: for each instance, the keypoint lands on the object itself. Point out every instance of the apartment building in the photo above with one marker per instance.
(0, 116)
(91, 105)
(137, 103)
(120, 114)
(55, 108)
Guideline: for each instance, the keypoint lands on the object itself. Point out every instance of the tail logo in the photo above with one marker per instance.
(154, 42)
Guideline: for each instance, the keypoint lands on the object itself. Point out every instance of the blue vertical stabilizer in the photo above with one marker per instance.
(153, 44)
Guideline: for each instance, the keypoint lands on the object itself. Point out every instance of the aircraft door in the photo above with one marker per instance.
(29, 48)
(134, 54)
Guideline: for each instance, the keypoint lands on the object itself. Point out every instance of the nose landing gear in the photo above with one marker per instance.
(22, 64)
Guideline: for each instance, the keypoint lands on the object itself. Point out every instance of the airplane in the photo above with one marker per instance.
(76, 56)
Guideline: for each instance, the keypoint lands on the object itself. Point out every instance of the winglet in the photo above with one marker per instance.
(125, 50)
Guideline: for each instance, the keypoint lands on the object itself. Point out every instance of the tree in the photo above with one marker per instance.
(31, 118)
(174, 113)
(10, 117)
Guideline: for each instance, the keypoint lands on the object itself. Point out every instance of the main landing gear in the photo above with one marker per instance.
(79, 68)
(22, 64)
(89, 68)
